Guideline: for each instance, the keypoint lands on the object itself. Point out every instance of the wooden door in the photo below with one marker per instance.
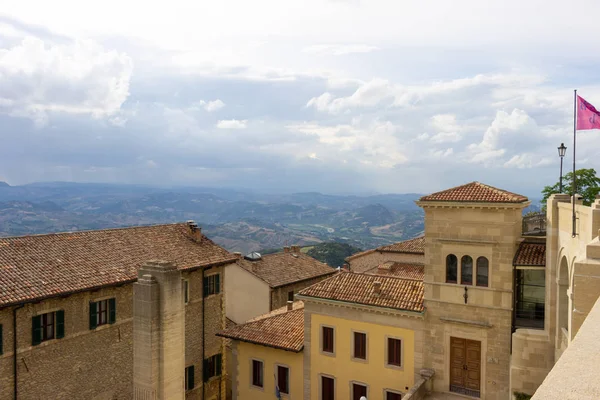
(358, 391)
(465, 366)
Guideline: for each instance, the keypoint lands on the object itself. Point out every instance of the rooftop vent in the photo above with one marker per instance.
(254, 256)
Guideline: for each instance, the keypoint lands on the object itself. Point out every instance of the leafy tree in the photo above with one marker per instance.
(588, 186)
(332, 253)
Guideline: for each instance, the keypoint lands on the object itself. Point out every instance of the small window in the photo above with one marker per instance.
(327, 388)
(327, 339)
(394, 352)
(189, 378)
(451, 268)
(212, 285)
(360, 345)
(291, 295)
(257, 373)
(392, 395)
(283, 379)
(212, 367)
(466, 270)
(48, 326)
(103, 312)
(186, 291)
(358, 391)
(1, 341)
(482, 271)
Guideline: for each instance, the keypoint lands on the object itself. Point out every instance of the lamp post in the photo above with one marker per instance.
(561, 153)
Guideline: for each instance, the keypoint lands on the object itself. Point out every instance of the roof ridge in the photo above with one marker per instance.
(382, 276)
(91, 230)
(269, 317)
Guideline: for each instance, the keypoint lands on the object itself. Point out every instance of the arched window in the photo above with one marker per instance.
(466, 270)
(482, 271)
(451, 268)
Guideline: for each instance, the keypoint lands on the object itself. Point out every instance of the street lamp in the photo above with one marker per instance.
(561, 153)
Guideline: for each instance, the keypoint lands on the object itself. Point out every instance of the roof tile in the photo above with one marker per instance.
(530, 255)
(399, 270)
(475, 192)
(415, 246)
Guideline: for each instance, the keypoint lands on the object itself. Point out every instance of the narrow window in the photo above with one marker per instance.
(103, 312)
(451, 268)
(327, 339)
(189, 378)
(257, 373)
(360, 345)
(212, 285)
(466, 273)
(212, 367)
(291, 295)
(327, 388)
(392, 396)
(358, 391)
(48, 326)
(394, 353)
(186, 291)
(482, 271)
(1, 342)
(283, 379)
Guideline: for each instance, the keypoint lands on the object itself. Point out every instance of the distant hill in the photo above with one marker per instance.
(4, 184)
(332, 254)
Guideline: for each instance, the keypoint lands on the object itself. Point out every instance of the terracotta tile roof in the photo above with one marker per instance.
(281, 269)
(402, 294)
(399, 270)
(530, 254)
(283, 330)
(40, 266)
(296, 305)
(475, 192)
(416, 246)
(360, 254)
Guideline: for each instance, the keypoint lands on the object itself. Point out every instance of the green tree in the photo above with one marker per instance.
(588, 186)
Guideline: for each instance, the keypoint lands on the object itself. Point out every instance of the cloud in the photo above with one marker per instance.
(369, 94)
(232, 124)
(445, 137)
(339, 49)
(37, 78)
(213, 105)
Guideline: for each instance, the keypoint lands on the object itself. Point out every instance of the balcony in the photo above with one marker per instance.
(534, 224)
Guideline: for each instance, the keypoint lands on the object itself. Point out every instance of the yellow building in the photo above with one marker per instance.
(365, 337)
(267, 354)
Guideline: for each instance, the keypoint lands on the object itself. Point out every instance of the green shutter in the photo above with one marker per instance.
(218, 366)
(190, 377)
(112, 310)
(60, 324)
(1, 340)
(205, 287)
(93, 315)
(218, 283)
(36, 331)
(205, 370)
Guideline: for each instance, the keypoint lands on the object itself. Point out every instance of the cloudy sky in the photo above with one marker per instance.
(338, 96)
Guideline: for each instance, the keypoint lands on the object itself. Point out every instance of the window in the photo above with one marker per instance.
(48, 326)
(360, 345)
(466, 270)
(257, 373)
(212, 285)
(358, 391)
(186, 291)
(482, 271)
(1, 349)
(189, 378)
(327, 388)
(451, 268)
(392, 395)
(283, 379)
(394, 352)
(212, 367)
(103, 312)
(291, 295)
(327, 339)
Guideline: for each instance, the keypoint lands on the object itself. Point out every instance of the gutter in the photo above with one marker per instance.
(15, 349)
(368, 306)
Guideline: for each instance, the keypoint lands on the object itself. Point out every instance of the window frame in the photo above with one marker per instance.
(211, 366)
(186, 379)
(95, 308)
(262, 374)
(455, 267)
(322, 343)
(40, 330)
(290, 295)
(387, 353)
(211, 284)
(186, 290)
(487, 277)
(358, 383)
(462, 282)
(333, 378)
(391, 391)
(289, 378)
(366, 348)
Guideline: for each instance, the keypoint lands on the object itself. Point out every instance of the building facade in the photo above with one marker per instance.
(407, 252)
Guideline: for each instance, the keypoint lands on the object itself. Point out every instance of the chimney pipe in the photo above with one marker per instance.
(237, 254)
(377, 287)
(286, 249)
(194, 231)
(290, 305)
(295, 249)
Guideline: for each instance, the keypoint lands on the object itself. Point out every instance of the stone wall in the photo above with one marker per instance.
(279, 295)
(532, 359)
(373, 259)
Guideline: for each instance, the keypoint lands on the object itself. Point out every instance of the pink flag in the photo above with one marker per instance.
(587, 115)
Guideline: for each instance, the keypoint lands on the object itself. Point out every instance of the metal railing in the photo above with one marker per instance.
(534, 224)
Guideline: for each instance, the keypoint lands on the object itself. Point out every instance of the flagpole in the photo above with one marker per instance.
(574, 142)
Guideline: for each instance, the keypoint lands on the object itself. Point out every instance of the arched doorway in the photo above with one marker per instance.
(562, 298)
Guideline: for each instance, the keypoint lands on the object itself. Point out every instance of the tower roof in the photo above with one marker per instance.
(475, 192)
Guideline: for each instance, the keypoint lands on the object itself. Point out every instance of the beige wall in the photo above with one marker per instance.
(98, 364)
(279, 295)
(240, 287)
(372, 260)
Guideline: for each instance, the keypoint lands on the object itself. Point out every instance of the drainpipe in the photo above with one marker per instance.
(15, 348)
(203, 364)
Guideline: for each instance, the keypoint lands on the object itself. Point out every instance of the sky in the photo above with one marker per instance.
(336, 96)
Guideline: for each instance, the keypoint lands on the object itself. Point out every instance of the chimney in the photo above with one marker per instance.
(290, 305)
(296, 249)
(194, 231)
(377, 288)
(237, 254)
(286, 249)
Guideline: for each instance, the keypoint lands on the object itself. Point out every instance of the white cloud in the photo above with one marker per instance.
(232, 124)
(339, 49)
(445, 137)
(212, 105)
(528, 160)
(369, 94)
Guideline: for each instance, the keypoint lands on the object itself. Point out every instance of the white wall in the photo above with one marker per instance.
(246, 296)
